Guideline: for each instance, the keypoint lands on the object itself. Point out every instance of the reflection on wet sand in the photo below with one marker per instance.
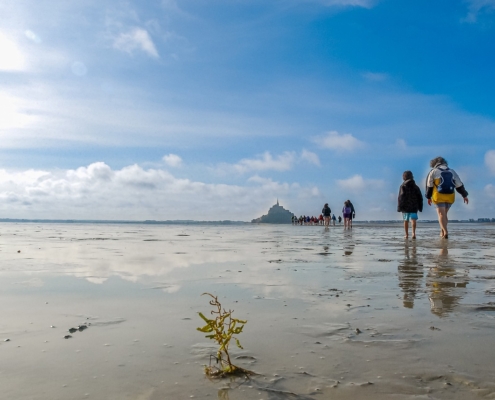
(410, 274)
(445, 284)
(348, 243)
(332, 314)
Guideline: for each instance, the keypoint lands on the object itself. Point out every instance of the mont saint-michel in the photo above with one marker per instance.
(276, 215)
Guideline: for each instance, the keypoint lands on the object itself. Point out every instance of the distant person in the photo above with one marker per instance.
(410, 201)
(340, 219)
(333, 219)
(353, 213)
(320, 219)
(346, 214)
(327, 212)
(440, 185)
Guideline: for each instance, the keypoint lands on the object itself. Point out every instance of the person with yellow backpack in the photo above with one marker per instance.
(441, 184)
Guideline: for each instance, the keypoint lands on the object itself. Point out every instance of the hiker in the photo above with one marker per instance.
(346, 214)
(410, 201)
(353, 213)
(326, 211)
(440, 185)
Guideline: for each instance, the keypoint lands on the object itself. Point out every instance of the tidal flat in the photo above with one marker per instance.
(332, 314)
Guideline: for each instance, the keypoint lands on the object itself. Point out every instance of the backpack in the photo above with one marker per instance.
(446, 185)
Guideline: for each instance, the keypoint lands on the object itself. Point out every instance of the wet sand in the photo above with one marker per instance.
(332, 314)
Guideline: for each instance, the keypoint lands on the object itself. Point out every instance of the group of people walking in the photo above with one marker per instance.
(348, 214)
(326, 217)
(307, 220)
(441, 184)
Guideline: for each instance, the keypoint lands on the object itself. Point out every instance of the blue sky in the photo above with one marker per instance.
(214, 109)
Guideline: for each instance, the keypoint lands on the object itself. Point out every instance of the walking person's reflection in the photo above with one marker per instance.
(348, 243)
(410, 274)
(444, 284)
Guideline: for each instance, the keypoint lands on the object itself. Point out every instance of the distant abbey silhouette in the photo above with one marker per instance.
(276, 215)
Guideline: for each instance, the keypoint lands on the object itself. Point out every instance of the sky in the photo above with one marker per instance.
(214, 109)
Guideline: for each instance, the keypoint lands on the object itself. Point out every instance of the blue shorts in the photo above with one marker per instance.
(409, 216)
(442, 205)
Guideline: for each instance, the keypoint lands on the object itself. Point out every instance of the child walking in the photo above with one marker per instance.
(410, 201)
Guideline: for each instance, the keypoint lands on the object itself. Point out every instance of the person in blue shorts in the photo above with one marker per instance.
(410, 201)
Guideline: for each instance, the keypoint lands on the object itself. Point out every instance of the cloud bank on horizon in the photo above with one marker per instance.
(213, 110)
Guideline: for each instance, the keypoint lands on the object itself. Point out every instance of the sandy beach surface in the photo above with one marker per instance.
(332, 314)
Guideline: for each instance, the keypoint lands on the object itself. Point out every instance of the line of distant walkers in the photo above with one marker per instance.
(348, 214)
(441, 184)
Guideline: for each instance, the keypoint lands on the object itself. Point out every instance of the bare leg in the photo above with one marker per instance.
(406, 229)
(413, 226)
(443, 220)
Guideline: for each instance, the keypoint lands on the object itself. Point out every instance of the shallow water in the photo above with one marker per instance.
(331, 313)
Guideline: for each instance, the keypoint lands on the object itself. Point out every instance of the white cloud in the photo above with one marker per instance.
(477, 7)
(490, 190)
(401, 144)
(78, 68)
(266, 161)
(310, 157)
(32, 36)
(136, 39)
(334, 140)
(375, 76)
(97, 191)
(490, 160)
(358, 184)
(172, 160)
(11, 57)
(346, 3)
(13, 114)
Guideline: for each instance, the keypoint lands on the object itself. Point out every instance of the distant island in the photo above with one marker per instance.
(276, 215)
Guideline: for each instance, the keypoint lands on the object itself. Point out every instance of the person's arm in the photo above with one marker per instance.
(420, 199)
(430, 182)
(462, 191)
(353, 211)
(400, 199)
(459, 186)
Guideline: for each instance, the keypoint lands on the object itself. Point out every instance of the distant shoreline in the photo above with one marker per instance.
(123, 222)
(225, 222)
